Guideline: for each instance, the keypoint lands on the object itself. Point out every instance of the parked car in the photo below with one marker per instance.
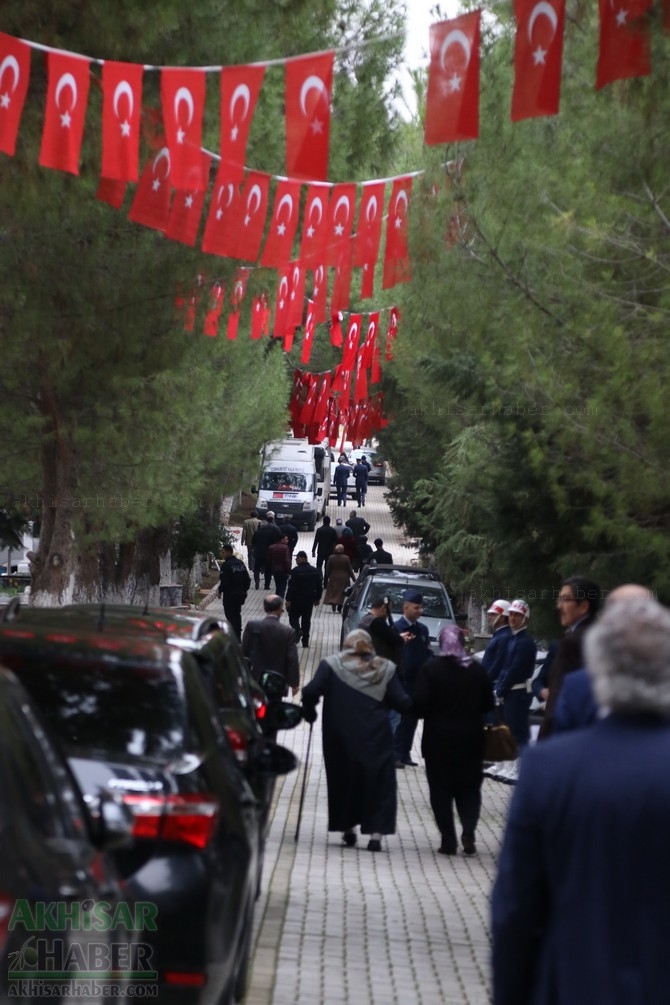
(55, 868)
(134, 715)
(245, 711)
(377, 581)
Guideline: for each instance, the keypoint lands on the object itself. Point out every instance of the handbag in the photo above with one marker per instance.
(499, 744)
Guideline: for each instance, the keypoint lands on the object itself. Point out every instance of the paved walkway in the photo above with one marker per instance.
(339, 925)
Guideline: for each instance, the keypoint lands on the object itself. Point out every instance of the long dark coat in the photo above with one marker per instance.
(357, 751)
(452, 700)
(340, 573)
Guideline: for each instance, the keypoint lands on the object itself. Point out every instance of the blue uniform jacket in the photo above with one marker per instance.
(519, 663)
(575, 705)
(493, 659)
(416, 651)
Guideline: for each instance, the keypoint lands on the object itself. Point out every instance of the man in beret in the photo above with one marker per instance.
(416, 650)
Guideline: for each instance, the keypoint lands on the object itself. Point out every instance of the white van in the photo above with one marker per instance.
(289, 483)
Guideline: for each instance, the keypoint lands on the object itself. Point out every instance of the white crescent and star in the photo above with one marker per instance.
(183, 96)
(121, 89)
(371, 209)
(66, 80)
(241, 93)
(255, 196)
(10, 63)
(286, 200)
(455, 37)
(312, 83)
(283, 291)
(163, 154)
(542, 9)
(353, 332)
(342, 201)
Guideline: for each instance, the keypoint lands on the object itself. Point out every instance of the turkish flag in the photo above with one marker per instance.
(370, 339)
(236, 297)
(538, 56)
(397, 267)
(307, 410)
(452, 98)
(321, 407)
(67, 95)
(314, 226)
(392, 332)
(376, 369)
(112, 192)
(341, 295)
(260, 317)
(340, 221)
(282, 303)
(283, 225)
(320, 294)
(240, 87)
(219, 235)
(345, 394)
(336, 337)
(368, 234)
(351, 342)
(361, 387)
(308, 337)
(298, 281)
(248, 223)
(309, 82)
(14, 77)
(121, 113)
(624, 41)
(186, 210)
(213, 315)
(183, 101)
(151, 202)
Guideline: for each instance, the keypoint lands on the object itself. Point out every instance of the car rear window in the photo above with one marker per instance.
(120, 711)
(434, 602)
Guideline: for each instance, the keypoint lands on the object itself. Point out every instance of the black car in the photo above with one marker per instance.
(135, 716)
(245, 710)
(60, 896)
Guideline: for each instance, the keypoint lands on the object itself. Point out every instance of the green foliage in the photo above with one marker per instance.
(531, 369)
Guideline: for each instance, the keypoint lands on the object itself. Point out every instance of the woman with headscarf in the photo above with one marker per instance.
(358, 688)
(453, 694)
(339, 573)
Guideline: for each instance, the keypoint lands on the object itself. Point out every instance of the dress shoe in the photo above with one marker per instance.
(446, 850)
(374, 845)
(349, 838)
(411, 764)
(469, 847)
(400, 764)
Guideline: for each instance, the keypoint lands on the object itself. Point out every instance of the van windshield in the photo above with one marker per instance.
(284, 481)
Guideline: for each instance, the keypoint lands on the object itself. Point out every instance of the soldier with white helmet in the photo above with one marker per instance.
(513, 684)
(493, 659)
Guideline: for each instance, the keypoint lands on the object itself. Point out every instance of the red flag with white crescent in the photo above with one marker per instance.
(282, 303)
(309, 83)
(370, 339)
(183, 101)
(452, 97)
(260, 317)
(361, 386)
(14, 78)
(248, 224)
(321, 407)
(186, 211)
(67, 95)
(314, 226)
(237, 294)
(397, 266)
(538, 55)
(151, 202)
(340, 222)
(298, 282)
(240, 87)
(624, 49)
(320, 294)
(283, 225)
(308, 337)
(213, 315)
(121, 113)
(340, 297)
(351, 342)
(392, 332)
(218, 235)
(368, 234)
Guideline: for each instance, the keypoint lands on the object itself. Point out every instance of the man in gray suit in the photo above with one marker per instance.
(270, 645)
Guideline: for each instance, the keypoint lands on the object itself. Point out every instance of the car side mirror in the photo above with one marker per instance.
(274, 684)
(287, 715)
(273, 759)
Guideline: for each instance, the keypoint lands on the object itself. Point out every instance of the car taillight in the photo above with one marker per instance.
(260, 709)
(6, 908)
(190, 818)
(238, 744)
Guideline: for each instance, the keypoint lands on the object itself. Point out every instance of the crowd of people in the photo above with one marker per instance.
(578, 902)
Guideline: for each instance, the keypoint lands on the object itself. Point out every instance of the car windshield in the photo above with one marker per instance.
(284, 481)
(434, 601)
(121, 711)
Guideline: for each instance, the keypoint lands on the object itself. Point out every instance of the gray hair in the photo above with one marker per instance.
(628, 658)
(359, 641)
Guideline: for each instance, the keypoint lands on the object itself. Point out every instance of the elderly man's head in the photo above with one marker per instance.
(628, 657)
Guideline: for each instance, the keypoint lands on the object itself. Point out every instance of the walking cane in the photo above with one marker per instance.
(304, 780)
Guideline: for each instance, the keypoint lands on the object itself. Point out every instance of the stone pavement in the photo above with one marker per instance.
(339, 925)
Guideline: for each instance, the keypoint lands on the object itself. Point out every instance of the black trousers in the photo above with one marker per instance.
(232, 608)
(300, 619)
(444, 793)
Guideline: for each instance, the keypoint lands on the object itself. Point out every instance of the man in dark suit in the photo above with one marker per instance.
(270, 645)
(577, 603)
(380, 556)
(580, 903)
(303, 595)
(357, 524)
(415, 651)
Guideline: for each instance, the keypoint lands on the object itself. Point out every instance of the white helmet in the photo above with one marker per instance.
(519, 607)
(499, 607)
